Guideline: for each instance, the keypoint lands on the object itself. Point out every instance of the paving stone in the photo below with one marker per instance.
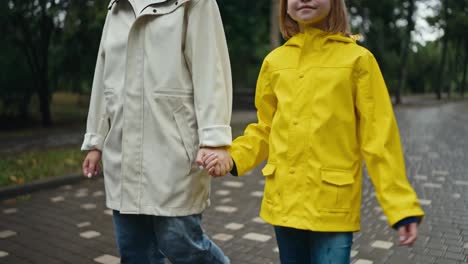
(107, 259)
(257, 237)
(222, 237)
(222, 192)
(354, 253)
(435, 252)
(454, 256)
(461, 183)
(98, 193)
(226, 209)
(108, 212)
(432, 185)
(258, 220)
(363, 261)
(454, 249)
(88, 206)
(233, 184)
(378, 209)
(424, 259)
(382, 244)
(81, 194)
(10, 211)
(7, 233)
(257, 194)
(83, 224)
(226, 200)
(234, 226)
(447, 261)
(425, 202)
(90, 234)
(440, 172)
(57, 199)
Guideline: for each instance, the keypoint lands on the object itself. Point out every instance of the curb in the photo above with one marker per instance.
(42, 184)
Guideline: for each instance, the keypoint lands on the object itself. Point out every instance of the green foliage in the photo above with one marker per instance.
(246, 24)
(53, 43)
(77, 46)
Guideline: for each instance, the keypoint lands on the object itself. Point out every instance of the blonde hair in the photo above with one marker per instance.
(337, 19)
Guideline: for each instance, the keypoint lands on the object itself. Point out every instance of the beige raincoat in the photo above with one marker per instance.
(162, 88)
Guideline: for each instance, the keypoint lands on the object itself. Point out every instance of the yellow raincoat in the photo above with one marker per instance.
(323, 108)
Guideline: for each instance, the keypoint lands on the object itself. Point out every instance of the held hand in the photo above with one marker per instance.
(217, 161)
(91, 163)
(408, 234)
(217, 166)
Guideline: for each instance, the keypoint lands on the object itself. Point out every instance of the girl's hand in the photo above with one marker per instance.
(91, 163)
(218, 163)
(408, 234)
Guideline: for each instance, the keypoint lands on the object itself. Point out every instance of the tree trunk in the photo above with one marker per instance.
(44, 91)
(23, 108)
(465, 68)
(440, 77)
(274, 25)
(404, 53)
(44, 103)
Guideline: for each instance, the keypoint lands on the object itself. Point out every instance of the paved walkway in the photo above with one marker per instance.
(70, 224)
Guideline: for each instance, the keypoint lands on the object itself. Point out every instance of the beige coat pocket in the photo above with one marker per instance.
(335, 190)
(184, 132)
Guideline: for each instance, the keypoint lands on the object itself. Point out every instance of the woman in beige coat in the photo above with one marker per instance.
(161, 94)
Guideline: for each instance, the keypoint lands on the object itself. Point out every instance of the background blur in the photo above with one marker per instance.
(48, 52)
(47, 56)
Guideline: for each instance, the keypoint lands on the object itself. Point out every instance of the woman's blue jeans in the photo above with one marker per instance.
(151, 239)
(308, 247)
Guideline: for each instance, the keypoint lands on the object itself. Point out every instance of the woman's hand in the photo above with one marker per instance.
(91, 165)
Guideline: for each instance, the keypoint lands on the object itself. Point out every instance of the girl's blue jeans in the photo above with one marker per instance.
(308, 247)
(151, 239)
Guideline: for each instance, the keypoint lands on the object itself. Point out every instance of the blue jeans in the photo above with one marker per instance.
(308, 247)
(145, 239)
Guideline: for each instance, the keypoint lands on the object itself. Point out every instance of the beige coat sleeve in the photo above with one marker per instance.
(97, 125)
(207, 56)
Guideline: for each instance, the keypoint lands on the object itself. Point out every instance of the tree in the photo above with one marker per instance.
(404, 50)
(31, 24)
(274, 24)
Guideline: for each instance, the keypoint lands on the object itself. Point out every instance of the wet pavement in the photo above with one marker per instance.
(70, 224)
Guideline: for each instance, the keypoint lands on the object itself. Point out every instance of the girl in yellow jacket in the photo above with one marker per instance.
(323, 108)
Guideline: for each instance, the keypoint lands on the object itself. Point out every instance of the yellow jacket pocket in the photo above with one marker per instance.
(335, 190)
(268, 170)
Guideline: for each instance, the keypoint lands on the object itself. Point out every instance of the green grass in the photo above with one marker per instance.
(41, 164)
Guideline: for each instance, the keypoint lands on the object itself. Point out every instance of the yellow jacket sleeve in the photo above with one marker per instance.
(380, 144)
(250, 149)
